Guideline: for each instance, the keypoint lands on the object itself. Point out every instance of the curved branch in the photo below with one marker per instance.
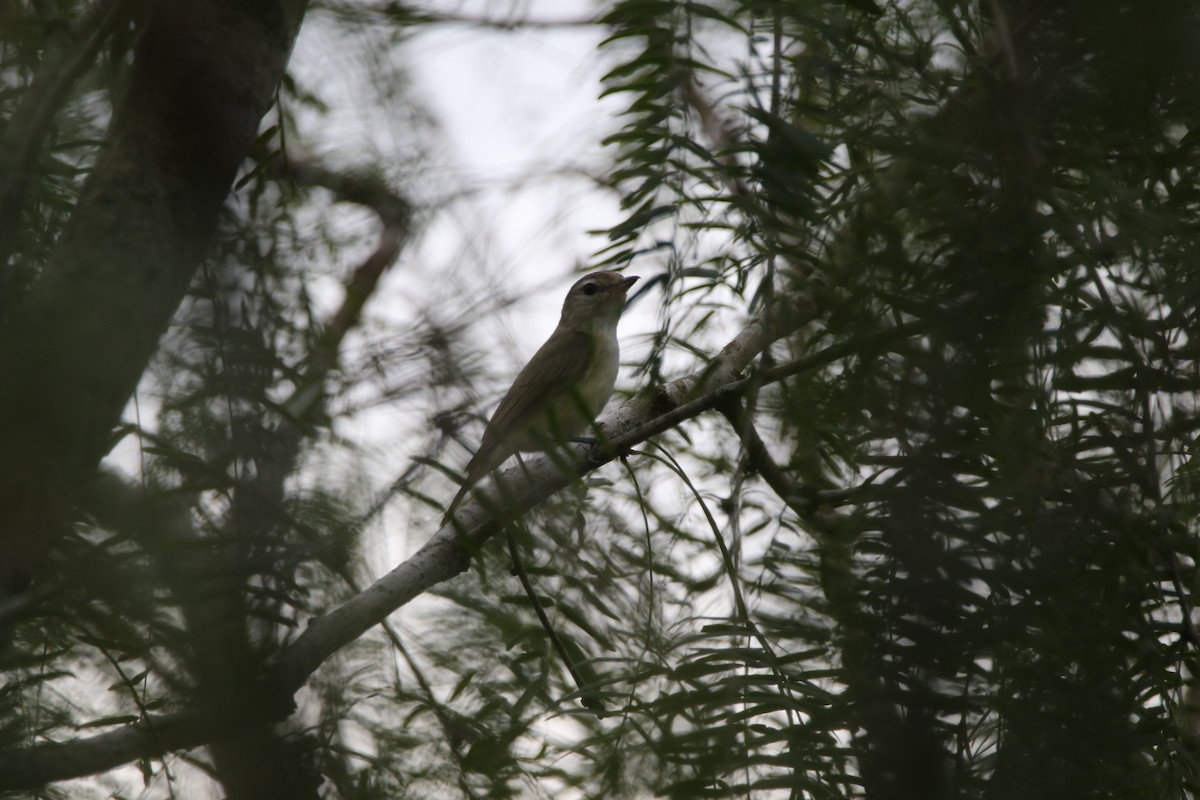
(36, 766)
(395, 215)
(449, 550)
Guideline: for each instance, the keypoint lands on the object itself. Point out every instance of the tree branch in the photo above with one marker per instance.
(74, 350)
(396, 216)
(450, 549)
(67, 57)
(36, 766)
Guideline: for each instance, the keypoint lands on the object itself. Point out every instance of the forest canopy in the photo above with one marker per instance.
(897, 497)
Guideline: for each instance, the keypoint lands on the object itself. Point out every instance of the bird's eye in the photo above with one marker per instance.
(590, 289)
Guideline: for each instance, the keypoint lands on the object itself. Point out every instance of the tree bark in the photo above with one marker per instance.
(75, 346)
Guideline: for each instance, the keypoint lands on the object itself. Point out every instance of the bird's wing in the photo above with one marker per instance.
(561, 363)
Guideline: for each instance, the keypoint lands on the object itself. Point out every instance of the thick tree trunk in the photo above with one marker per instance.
(74, 349)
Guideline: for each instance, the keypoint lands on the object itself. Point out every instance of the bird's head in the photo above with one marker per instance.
(596, 299)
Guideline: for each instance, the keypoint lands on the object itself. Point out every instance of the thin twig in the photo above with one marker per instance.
(589, 698)
(1188, 625)
(66, 59)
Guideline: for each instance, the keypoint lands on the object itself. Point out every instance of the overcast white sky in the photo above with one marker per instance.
(518, 117)
(518, 124)
(514, 110)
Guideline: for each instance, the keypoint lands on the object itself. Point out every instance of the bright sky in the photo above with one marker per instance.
(518, 129)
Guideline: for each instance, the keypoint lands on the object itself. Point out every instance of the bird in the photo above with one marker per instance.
(564, 386)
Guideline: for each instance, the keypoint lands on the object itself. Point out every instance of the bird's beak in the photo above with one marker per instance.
(623, 286)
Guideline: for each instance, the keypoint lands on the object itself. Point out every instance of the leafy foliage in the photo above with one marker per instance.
(950, 553)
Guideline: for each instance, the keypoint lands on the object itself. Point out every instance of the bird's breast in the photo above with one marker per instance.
(597, 384)
(570, 412)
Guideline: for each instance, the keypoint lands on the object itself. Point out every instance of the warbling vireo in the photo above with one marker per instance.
(564, 386)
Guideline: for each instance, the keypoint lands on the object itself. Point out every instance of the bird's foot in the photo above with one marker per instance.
(591, 441)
